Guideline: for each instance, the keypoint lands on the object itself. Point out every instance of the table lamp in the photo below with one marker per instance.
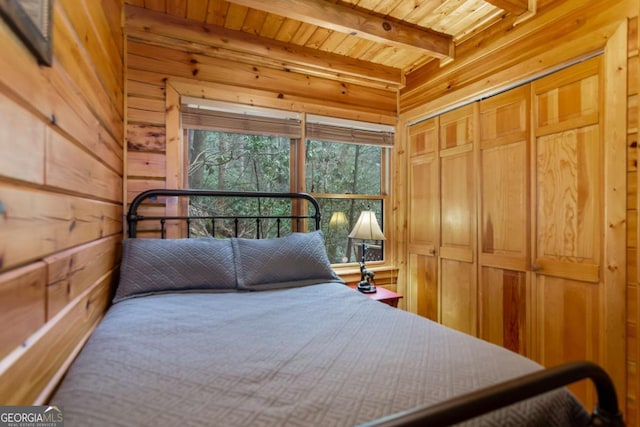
(366, 228)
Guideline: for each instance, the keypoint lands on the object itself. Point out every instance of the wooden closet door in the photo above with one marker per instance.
(423, 219)
(504, 225)
(568, 228)
(458, 275)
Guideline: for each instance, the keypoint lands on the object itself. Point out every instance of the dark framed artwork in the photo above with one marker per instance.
(31, 20)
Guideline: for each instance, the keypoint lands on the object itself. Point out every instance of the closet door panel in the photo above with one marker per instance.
(458, 219)
(568, 226)
(457, 205)
(504, 206)
(423, 214)
(423, 220)
(459, 301)
(423, 236)
(504, 298)
(569, 203)
(504, 220)
(569, 325)
(423, 276)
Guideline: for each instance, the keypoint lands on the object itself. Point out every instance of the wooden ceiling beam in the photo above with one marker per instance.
(515, 7)
(357, 23)
(208, 39)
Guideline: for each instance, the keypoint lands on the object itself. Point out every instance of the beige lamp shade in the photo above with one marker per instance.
(367, 227)
(338, 219)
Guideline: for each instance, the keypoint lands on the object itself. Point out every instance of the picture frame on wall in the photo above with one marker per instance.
(32, 21)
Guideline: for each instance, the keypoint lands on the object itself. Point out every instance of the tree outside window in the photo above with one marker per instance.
(345, 178)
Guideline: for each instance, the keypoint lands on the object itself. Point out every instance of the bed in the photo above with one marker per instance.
(261, 332)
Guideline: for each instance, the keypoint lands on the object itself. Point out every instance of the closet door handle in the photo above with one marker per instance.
(535, 268)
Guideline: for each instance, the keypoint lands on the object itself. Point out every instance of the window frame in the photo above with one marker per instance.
(297, 168)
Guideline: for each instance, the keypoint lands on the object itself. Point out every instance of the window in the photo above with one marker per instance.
(345, 169)
(344, 166)
(240, 162)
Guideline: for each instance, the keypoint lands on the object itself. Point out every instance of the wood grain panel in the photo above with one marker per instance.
(495, 59)
(48, 92)
(504, 198)
(73, 115)
(631, 414)
(144, 137)
(631, 318)
(91, 27)
(424, 223)
(457, 269)
(632, 188)
(568, 101)
(423, 137)
(278, 100)
(146, 165)
(253, 48)
(82, 72)
(145, 89)
(456, 127)
(423, 275)
(504, 118)
(71, 168)
(632, 315)
(22, 305)
(632, 153)
(423, 203)
(568, 325)
(135, 115)
(36, 223)
(145, 110)
(504, 180)
(26, 376)
(503, 297)
(569, 199)
(137, 186)
(614, 180)
(62, 132)
(458, 289)
(632, 113)
(175, 63)
(71, 272)
(634, 70)
(22, 139)
(457, 201)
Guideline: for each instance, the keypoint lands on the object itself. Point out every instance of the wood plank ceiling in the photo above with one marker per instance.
(386, 38)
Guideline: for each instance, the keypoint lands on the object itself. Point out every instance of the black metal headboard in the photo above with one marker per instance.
(133, 218)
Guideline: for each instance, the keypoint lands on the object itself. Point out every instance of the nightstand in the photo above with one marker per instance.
(383, 295)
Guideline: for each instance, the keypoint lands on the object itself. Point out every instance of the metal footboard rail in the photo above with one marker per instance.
(471, 405)
(150, 195)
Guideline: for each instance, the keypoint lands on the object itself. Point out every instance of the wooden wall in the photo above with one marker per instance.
(505, 57)
(633, 257)
(61, 167)
(167, 57)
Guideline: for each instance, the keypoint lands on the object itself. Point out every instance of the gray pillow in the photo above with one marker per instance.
(157, 265)
(298, 259)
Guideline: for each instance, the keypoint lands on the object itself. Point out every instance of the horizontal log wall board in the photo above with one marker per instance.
(61, 178)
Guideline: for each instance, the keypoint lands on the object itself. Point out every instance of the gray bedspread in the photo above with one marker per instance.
(321, 355)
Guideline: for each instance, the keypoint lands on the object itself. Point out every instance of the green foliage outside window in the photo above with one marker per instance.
(334, 171)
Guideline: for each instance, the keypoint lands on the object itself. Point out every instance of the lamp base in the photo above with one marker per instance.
(366, 287)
